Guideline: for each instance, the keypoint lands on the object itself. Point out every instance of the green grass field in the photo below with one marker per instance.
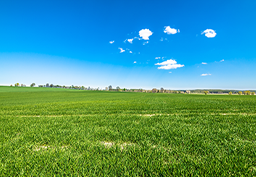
(46, 132)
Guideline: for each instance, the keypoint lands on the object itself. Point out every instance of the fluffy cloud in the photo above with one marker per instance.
(134, 62)
(111, 42)
(129, 40)
(169, 64)
(203, 63)
(170, 30)
(145, 33)
(210, 33)
(121, 50)
(130, 51)
(222, 60)
(205, 74)
(157, 58)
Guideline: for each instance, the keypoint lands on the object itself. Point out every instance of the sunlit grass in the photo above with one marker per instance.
(91, 133)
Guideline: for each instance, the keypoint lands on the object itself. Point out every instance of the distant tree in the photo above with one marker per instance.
(253, 93)
(82, 87)
(247, 92)
(230, 93)
(206, 92)
(51, 85)
(179, 91)
(47, 85)
(162, 90)
(154, 90)
(110, 87)
(17, 85)
(117, 88)
(239, 93)
(11, 85)
(124, 89)
(32, 85)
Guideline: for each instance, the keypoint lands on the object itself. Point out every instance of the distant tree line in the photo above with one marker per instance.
(154, 90)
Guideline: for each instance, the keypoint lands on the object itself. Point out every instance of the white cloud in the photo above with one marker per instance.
(111, 42)
(144, 43)
(134, 62)
(157, 58)
(203, 63)
(170, 72)
(205, 74)
(121, 50)
(145, 33)
(137, 38)
(169, 64)
(129, 40)
(130, 51)
(210, 33)
(222, 60)
(170, 30)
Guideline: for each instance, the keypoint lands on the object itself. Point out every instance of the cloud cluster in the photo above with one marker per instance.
(205, 74)
(170, 30)
(203, 63)
(210, 33)
(222, 60)
(111, 42)
(145, 33)
(169, 64)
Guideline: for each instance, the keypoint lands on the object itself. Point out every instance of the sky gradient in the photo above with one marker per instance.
(130, 44)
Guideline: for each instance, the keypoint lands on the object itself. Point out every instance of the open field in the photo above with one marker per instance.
(88, 133)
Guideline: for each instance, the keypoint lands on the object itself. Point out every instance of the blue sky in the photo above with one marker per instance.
(169, 44)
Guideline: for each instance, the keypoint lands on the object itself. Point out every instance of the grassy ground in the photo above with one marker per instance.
(88, 133)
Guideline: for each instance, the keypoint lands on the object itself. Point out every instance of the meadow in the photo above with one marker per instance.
(47, 132)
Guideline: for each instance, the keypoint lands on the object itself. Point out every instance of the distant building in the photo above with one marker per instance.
(188, 91)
